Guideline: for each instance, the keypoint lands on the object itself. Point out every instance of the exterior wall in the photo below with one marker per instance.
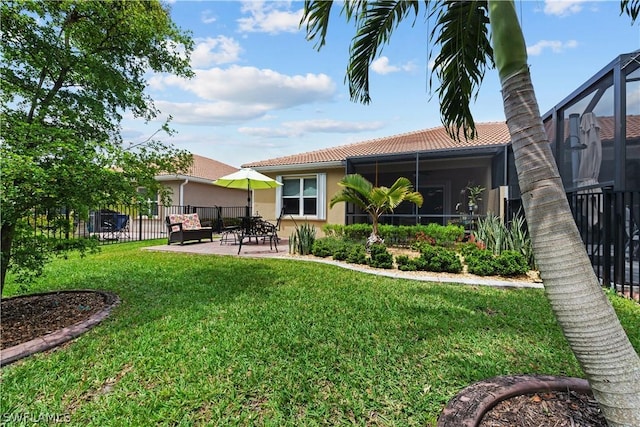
(264, 203)
(495, 201)
(201, 194)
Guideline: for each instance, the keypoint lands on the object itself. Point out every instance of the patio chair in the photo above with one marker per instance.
(275, 227)
(228, 231)
(115, 226)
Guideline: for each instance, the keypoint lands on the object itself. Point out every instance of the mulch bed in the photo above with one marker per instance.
(29, 317)
(552, 409)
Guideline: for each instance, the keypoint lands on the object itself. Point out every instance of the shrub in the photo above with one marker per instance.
(357, 254)
(446, 235)
(511, 263)
(341, 253)
(402, 260)
(411, 266)
(481, 262)
(325, 246)
(380, 257)
(469, 248)
(439, 260)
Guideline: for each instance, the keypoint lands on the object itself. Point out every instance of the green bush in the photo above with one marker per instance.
(402, 260)
(511, 263)
(398, 235)
(410, 266)
(341, 253)
(380, 257)
(357, 254)
(446, 235)
(407, 264)
(325, 246)
(439, 259)
(481, 262)
(468, 248)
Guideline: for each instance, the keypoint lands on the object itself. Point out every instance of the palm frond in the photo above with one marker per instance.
(462, 31)
(375, 23)
(316, 18)
(631, 8)
(355, 189)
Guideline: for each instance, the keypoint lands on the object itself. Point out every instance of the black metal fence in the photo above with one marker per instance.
(608, 224)
(126, 223)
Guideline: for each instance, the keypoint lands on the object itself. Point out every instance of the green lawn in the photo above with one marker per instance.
(225, 341)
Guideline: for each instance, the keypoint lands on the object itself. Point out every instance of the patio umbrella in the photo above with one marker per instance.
(591, 156)
(590, 161)
(249, 179)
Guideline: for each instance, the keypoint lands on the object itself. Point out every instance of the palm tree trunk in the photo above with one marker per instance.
(582, 310)
(584, 313)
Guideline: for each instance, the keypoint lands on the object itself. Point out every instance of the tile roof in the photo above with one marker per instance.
(433, 139)
(209, 169)
(607, 127)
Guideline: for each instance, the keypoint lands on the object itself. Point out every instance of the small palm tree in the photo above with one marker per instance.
(375, 201)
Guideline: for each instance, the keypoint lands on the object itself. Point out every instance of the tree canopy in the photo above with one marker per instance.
(70, 71)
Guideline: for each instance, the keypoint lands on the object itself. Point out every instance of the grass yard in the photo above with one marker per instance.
(209, 340)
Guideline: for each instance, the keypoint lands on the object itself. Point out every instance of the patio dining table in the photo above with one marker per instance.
(258, 228)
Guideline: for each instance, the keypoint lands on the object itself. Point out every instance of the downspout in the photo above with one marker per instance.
(186, 181)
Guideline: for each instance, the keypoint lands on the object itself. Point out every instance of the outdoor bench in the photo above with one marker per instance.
(185, 227)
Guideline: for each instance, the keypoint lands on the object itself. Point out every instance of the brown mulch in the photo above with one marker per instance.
(26, 318)
(552, 409)
(29, 317)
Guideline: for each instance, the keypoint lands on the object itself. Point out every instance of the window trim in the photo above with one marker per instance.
(321, 188)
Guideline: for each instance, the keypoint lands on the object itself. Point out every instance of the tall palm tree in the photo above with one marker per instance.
(375, 201)
(584, 313)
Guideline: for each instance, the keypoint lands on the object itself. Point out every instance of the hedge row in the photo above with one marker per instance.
(399, 235)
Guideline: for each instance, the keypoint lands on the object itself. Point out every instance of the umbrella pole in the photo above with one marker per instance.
(247, 212)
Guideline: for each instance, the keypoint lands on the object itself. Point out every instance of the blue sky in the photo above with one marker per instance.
(262, 91)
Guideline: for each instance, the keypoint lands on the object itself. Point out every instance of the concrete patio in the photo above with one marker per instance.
(261, 250)
(253, 249)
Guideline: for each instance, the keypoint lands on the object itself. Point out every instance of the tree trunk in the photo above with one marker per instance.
(6, 240)
(583, 311)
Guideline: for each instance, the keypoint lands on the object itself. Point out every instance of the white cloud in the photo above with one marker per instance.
(562, 7)
(250, 85)
(300, 128)
(215, 51)
(382, 66)
(556, 46)
(269, 17)
(207, 17)
(237, 94)
(210, 114)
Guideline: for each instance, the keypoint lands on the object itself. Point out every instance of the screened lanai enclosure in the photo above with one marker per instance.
(595, 137)
(444, 178)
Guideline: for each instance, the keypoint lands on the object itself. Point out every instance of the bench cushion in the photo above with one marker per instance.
(189, 221)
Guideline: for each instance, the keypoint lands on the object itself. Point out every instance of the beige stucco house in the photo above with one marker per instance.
(440, 168)
(195, 186)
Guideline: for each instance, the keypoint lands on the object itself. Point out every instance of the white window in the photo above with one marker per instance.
(302, 195)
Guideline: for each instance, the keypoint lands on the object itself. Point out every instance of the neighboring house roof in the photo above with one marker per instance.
(203, 169)
(434, 139)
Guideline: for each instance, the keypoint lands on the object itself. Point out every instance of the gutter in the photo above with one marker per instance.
(163, 178)
(300, 166)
